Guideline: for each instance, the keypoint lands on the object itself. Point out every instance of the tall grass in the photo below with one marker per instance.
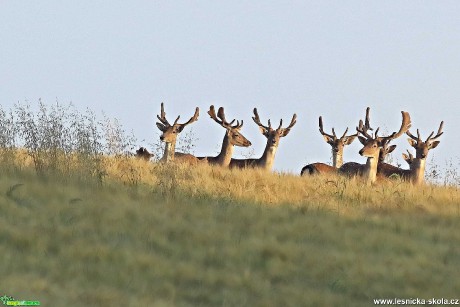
(61, 140)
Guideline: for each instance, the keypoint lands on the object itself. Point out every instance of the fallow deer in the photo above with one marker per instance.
(273, 138)
(383, 167)
(169, 136)
(372, 147)
(233, 137)
(337, 145)
(144, 154)
(416, 171)
(387, 170)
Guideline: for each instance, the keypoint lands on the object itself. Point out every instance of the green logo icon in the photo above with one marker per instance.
(10, 301)
(6, 298)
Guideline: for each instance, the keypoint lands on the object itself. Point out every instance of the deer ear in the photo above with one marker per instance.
(407, 158)
(161, 127)
(263, 131)
(434, 144)
(284, 132)
(328, 139)
(362, 139)
(179, 128)
(391, 148)
(412, 142)
(349, 140)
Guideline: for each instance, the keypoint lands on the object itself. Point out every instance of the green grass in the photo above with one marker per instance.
(172, 236)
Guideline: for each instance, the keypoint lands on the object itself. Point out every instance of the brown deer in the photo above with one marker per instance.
(386, 170)
(382, 166)
(385, 150)
(144, 154)
(273, 138)
(416, 172)
(372, 148)
(233, 137)
(169, 136)
(337, 145)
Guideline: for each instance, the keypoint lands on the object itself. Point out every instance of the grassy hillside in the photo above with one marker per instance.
(146, 234)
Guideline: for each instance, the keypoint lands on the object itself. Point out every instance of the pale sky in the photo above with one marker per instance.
(329, 58)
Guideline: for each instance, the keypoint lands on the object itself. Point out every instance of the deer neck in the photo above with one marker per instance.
(226, 152)
(418, 170)
(370, 171)
(168, 155)
(337, 158)
(268, 157)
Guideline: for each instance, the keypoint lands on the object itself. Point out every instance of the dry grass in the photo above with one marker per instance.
(170, 235)
(328, 193)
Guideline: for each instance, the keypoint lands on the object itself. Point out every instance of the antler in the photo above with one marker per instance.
(238, 125)
(321, 130)
(163, 119)
(221, 115)
(256, 119)
(411, 157)
(279, 130)
(343, 135)
(194, 118)
(220, 118)
(430, 138)
(212, 113)
(418, 139)
(164, 122)
(366, 124)
(293, 122)
(333, 137)
(405, 125)
(364, 127)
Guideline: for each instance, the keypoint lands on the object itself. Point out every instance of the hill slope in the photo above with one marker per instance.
(155, 235)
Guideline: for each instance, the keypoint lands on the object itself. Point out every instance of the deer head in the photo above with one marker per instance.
(385, 150)
(233, 131)
(336, 143)
(409, 158)
(273, 135)
(373, 144)
(143, 153)
(170, 132)
(421, 147)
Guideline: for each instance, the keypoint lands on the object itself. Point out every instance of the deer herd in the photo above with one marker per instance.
(375, 147)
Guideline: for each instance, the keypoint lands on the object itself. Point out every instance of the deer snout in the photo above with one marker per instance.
(162, 137)
(361, 152)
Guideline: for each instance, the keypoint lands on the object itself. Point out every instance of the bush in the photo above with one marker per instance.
(61, 140)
